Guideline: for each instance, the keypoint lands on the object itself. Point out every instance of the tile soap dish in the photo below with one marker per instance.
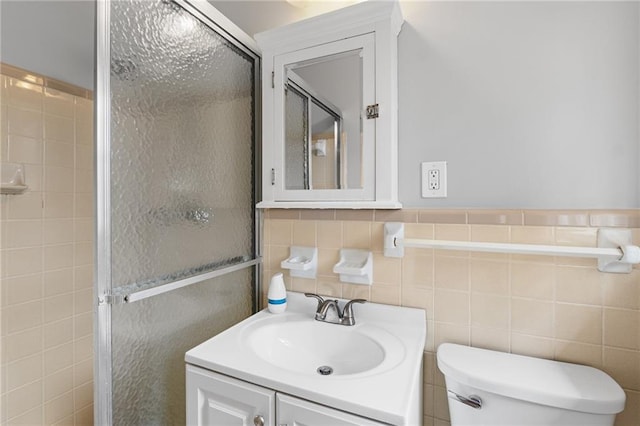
(355, 266)
(12, 179)
(302, 262)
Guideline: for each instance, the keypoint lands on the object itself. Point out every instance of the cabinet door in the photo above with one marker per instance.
(353, 60)
(214, 399)
(297, 412)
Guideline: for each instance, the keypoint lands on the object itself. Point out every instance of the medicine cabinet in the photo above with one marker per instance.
(329, 108)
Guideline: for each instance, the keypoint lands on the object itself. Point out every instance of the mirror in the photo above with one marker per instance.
(323, 124)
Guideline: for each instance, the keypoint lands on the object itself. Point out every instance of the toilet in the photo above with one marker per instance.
(492, 388)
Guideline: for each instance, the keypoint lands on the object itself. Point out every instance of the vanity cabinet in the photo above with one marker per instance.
(214, 399)
(329, 110)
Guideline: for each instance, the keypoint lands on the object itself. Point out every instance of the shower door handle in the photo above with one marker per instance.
(472, 401)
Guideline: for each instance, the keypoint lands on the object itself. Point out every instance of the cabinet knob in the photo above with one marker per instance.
(258, 420)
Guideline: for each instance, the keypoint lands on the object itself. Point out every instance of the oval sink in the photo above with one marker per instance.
(306, 346)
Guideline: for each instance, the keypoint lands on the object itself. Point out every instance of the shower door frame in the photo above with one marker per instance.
(103, 297)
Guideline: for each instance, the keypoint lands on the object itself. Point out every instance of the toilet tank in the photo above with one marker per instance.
(519, 390)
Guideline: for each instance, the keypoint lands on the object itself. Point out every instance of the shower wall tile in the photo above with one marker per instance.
(22, 344)
(58, 408)
(27, 206)
(82, 372)
(58, 332)
(84, 416)
(22, 261)
(23, 122)
(58, 205)
(23, 316)
(4, 137)
(21, 289)
(23, 372)
(84, 157)
(21, 233)
(59, 154)
(58, 256)
(34, 177)
(58, 231)
(84, 132)
(58, 383)
(23, 399)
(58, 103)
(83, 205)
(58, 128)
(22, 149)
(46, 254)
(550, 307)
(58, 358)
(25, 95)
(58, 282)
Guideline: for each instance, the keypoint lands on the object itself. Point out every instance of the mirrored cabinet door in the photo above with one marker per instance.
(329, 144)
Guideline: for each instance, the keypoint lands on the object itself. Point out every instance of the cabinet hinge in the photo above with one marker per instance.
(273, 79)
(273, 176)
(372, 111)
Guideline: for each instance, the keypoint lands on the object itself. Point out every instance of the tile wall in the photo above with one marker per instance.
(46, 251)
(551, 307)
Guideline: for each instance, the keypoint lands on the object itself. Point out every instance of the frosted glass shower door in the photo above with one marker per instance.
(176, 253)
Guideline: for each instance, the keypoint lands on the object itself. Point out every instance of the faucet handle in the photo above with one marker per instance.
(347, 312)
(319, 298)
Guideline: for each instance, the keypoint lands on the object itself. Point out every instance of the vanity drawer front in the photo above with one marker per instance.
(214, 399)
(298, 412)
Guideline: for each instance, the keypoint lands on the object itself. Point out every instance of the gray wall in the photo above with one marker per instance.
(54, 38)
(533, 104)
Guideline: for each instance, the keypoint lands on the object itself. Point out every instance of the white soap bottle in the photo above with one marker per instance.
(277, 295)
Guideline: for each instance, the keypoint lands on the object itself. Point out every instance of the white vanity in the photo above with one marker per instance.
(288, 369)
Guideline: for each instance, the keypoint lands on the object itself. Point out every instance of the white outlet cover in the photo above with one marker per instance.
(441, 167)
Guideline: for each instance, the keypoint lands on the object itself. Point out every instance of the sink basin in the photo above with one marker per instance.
(372, 369)
(309, 347)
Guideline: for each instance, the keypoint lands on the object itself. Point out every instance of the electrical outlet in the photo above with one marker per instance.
(434, 179)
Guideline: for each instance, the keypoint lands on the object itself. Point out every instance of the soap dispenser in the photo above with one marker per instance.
(277, 295)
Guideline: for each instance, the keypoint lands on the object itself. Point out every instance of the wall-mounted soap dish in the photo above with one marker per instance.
(302, 262)
(12, 179)
(355, 266)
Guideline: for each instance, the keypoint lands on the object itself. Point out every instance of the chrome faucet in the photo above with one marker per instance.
(345, 317)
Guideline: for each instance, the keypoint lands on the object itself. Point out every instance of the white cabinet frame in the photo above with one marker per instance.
(384, 20)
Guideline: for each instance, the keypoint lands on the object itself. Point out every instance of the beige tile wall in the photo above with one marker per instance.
(556, 308)
(46, 253)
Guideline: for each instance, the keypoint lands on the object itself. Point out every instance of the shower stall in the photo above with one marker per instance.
(177, 113)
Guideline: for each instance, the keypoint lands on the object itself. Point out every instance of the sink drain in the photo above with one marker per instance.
(324, 370)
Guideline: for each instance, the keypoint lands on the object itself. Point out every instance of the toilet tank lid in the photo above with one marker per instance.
(557, 384)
